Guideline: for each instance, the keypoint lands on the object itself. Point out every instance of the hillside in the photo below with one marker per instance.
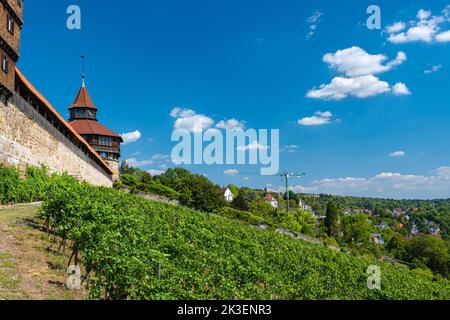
(139, 249)
(30, 267)
(133, 248)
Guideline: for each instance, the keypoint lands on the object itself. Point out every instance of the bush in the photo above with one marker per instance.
(33, 187)
(9, 185)
(245, 216)
(157, 188)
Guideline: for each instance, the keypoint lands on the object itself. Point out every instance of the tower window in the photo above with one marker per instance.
(10, 24)
(5, 63)
(105, 141)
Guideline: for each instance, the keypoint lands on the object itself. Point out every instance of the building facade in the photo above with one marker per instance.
(83, 118)
(11, 15)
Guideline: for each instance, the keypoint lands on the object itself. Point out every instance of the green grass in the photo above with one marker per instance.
(10, 215)
(8, 272)
(40, 252)
(9, 278)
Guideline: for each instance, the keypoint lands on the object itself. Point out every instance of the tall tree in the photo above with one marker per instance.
(332, 219)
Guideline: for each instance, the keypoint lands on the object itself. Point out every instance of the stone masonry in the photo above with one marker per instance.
(26, 137)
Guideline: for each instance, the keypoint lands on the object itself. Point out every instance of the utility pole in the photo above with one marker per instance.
(286, 177)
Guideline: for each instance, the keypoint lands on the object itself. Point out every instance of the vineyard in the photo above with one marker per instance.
(132, 248)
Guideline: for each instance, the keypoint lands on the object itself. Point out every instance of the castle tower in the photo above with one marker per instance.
(83, 118)
(11, 15)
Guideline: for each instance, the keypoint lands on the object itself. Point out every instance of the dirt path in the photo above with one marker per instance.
(30, 267)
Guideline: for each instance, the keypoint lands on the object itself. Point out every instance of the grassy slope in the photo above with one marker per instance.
(29, 266)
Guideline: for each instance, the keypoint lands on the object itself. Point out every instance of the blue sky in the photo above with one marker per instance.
(262, 63)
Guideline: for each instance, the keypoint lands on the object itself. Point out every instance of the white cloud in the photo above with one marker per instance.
(159, 157)
(400, 89)
(181, 113)
(189, 120)
(320, 118)
(426, 28)
(314, 22)
(253, 146)
(134, 154)
(293, 148)
(326, 114)
(358, 69)
(131, 137)
(386, 185)
(246, 178)
(340, 88)
(396, 27)
(154, 172)
(133, 162)
(313, 121)
(397, 154)
(443, 37)
(354, 62)
(433, 69)
(414, 34)
(423, 14)
(231, 124)
(231, 172)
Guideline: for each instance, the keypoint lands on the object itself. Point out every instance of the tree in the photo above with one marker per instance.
(292, 196)
(240, 203)
(126, 169)
(356, 230)
(143, 176)
(332, 219)
(195, 190)
(432, 252)
(397, 246)
(260, 207)
(307, 222)
(234, 190)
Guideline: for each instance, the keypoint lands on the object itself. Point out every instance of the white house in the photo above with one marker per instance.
(377, 238)
(305, 207)
(229, 196)
(271, 200)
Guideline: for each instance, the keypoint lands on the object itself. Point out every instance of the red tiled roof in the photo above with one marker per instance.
(83, 100)
(47, 104)
(88, 127)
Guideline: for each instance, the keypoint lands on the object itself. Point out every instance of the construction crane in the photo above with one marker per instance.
(285, 175)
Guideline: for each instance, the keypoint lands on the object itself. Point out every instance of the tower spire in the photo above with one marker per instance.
(83, 76)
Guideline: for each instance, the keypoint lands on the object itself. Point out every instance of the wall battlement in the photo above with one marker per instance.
(27, 137)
